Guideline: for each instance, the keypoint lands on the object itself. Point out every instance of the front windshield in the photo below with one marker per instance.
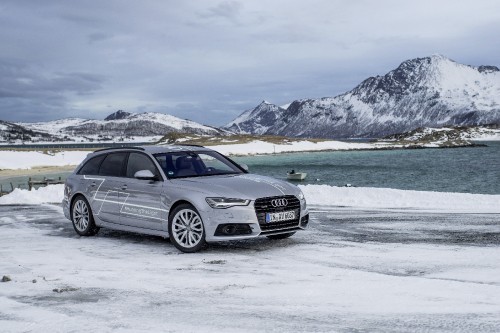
(185, 164)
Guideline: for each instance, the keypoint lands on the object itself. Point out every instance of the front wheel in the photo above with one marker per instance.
(281, 236)
(186, 230)
(82, 218)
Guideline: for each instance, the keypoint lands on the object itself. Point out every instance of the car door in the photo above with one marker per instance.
(106, 200)
(142, 207)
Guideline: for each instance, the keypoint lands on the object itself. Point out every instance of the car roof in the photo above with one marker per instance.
(156, 149)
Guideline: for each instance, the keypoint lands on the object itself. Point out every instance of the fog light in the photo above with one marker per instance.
(231, 229)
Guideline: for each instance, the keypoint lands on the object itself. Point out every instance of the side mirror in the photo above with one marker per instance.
(145, 175)
(244, 166)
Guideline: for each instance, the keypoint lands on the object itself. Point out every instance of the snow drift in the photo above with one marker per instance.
(368, 197)
(361, 197)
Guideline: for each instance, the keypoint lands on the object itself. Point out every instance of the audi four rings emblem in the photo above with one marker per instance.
(279, 202)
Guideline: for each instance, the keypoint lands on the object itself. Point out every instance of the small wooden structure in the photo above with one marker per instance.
(46, 181)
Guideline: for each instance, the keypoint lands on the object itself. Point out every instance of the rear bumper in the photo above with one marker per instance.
(66, 208)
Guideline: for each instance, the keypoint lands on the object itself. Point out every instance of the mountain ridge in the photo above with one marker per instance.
(118, 126)
(423, 92)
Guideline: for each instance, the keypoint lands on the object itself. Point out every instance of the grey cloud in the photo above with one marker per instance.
(26, 81)
(210, 60)
(98, 37)
(226, 9)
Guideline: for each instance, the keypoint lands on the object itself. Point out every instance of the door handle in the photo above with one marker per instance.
(124, 187)
(93, 184)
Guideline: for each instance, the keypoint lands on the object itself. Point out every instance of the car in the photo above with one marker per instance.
(190, 194)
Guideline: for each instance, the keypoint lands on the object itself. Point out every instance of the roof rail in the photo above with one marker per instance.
(111, 148)
(187, 144)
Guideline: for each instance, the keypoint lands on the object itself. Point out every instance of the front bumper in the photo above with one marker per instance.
(242, 216)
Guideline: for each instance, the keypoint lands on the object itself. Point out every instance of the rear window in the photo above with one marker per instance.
(92, 166)
(113, 165)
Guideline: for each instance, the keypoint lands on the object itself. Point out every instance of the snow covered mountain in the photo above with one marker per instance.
(119, 126)
(423, 92)
(258, 120)
(10, 132)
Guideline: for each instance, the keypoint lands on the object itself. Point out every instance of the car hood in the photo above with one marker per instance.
(245, 186)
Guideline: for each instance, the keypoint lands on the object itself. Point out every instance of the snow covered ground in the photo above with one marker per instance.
(373, 260)
(28, 159)
(352, 271)
(261, 147)
(353, 197)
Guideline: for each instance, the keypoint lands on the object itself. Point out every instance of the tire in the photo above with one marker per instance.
(82, 217)
(186, 230)
(281, 236)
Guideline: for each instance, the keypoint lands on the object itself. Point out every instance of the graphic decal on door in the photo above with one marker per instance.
(121, 198)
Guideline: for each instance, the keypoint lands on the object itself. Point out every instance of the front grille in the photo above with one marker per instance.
(263, 206)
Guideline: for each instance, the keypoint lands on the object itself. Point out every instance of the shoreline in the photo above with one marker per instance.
(35, 171)
(474, 145)
(51, 169)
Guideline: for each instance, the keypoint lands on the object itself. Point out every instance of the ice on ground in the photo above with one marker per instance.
(355, 197)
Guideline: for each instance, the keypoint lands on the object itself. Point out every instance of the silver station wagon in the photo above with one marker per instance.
(191, 194)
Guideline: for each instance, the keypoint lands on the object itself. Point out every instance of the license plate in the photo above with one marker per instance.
(281, 216)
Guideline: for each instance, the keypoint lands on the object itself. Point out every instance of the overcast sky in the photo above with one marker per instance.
(210, 60)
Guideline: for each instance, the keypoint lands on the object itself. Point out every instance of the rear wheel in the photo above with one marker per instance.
(186, 230)
(82, 218)
(281, 236)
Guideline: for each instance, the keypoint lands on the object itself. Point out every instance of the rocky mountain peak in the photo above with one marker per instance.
(488, 69)
(120, 114)
(432, 91)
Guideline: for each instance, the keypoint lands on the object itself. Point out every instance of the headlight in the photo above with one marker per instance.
(226, 202)
(301, 196)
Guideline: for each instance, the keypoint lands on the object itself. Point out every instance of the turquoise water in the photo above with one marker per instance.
(468, 170)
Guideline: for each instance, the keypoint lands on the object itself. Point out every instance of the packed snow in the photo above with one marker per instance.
(325, 195)
(349, 272)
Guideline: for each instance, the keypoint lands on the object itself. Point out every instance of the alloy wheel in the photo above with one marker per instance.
(187, 228)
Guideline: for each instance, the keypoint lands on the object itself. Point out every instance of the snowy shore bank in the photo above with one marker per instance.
(325, 195)
(29, 159)
(12, 160)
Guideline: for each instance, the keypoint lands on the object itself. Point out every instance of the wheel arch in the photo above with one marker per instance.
(73, 198)
(177, 204)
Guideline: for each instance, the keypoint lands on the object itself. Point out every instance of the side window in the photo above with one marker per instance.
(92, 166)
(113, 165)
(137, 162)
